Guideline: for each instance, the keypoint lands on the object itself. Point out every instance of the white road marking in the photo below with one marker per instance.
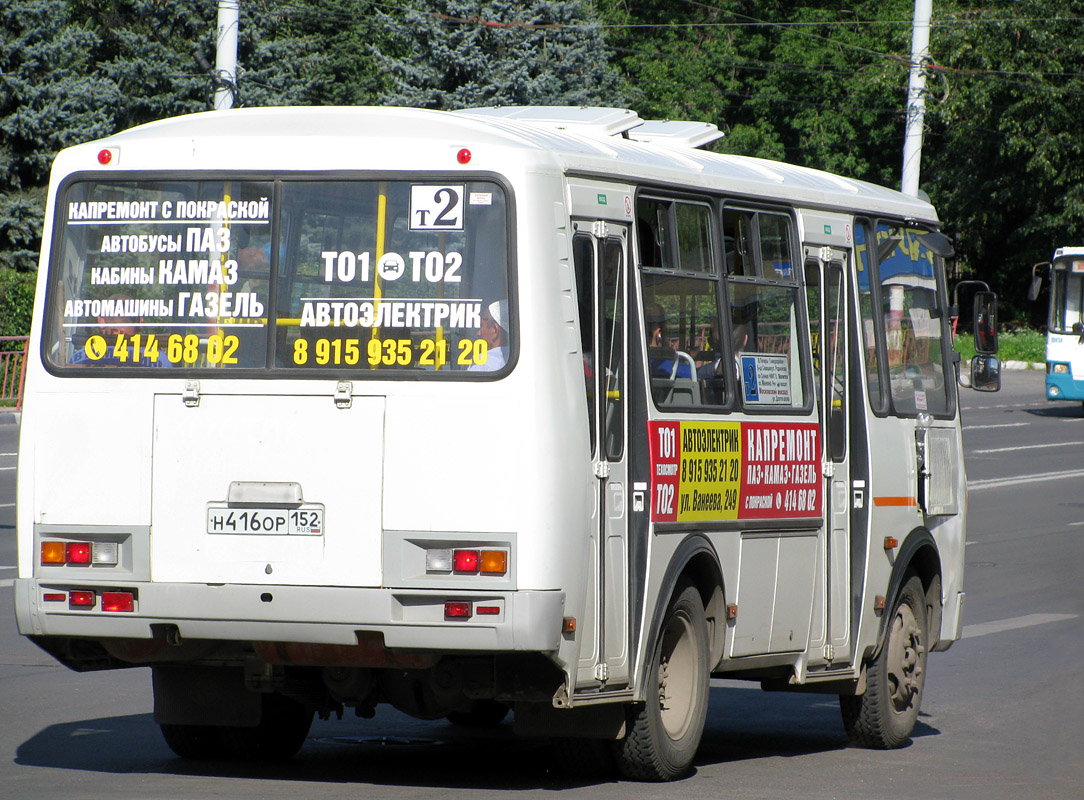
(989, 427)
(1012, 624)
(997, 483)
(1026, 447)
(7, 583)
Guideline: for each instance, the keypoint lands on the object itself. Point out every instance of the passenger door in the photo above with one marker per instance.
(826, 268)
(600, 262)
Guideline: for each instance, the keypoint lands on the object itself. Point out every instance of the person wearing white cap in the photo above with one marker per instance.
(494, 320)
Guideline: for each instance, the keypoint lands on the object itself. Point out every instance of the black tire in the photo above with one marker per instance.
(664, 733)
(284, 725)
(192, 741)
(584, 759)
(482, 714)
(884, 717)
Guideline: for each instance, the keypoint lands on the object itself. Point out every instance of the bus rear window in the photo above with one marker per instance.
(299, 276)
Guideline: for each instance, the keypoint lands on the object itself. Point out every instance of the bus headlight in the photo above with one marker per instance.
(1059, 369)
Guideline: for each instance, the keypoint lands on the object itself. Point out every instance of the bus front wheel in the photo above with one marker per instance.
(884, 717)
(664, 733)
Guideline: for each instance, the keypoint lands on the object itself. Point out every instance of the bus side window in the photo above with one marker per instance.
(681, 323)
(764, 308)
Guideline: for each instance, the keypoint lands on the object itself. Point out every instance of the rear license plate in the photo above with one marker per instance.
(304, 521)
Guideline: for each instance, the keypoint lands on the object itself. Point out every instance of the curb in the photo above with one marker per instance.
(10, 417)
(1032, 365)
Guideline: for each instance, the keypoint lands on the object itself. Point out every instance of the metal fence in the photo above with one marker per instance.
(12, 370)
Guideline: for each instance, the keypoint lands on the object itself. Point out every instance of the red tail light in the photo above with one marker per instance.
(81, 599)
(457, 610)
(118, 601)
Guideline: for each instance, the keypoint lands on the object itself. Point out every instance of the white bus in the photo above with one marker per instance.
(1064, 324)
(530, 408)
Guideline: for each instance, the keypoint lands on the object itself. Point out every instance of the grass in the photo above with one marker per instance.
(1022, 345)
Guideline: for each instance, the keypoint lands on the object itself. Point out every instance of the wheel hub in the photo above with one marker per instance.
(905, 658)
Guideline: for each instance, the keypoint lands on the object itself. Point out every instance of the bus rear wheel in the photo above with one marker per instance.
(284, 725)
(664, 733)
(884, 717)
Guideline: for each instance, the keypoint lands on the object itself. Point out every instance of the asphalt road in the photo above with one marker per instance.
(1001, 715)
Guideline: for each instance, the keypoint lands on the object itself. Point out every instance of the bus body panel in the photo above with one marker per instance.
(330, 454)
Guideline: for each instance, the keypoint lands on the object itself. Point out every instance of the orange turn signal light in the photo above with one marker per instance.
(53, 553)
(494, 561)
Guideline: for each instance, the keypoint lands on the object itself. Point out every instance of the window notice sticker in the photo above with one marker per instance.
(436, 208)
(765, 379)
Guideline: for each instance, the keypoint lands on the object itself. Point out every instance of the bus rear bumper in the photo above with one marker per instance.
(408, 619)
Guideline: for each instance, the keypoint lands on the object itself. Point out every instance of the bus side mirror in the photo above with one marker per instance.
(1036, 281)
(1036, 285)
(985, 323)
(985, 373)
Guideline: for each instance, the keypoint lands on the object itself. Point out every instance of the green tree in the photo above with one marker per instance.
(1003, 156)
(449, 54)
(50, 97)
(822, 85)
(310, 52)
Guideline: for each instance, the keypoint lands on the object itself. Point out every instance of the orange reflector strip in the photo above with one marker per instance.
(457, 610)
(83, 599)
(891, 543)
(52, 553)
(568, 625)
(494, 561)
(895, 501)
(118, 601)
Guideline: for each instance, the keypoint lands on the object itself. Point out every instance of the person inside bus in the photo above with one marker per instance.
(660, 354)
(492, 330)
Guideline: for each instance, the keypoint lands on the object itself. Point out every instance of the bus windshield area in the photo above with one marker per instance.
(1067, 295)
(291, 276)
(903, 317)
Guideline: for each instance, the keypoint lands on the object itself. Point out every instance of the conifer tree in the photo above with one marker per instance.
(448, 54)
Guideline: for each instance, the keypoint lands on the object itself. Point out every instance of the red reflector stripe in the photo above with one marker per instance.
(54, 597)
(488, 610)
(118, 601)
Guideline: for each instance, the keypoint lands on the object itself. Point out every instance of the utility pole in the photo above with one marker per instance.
(229, 12)
(916, 97)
